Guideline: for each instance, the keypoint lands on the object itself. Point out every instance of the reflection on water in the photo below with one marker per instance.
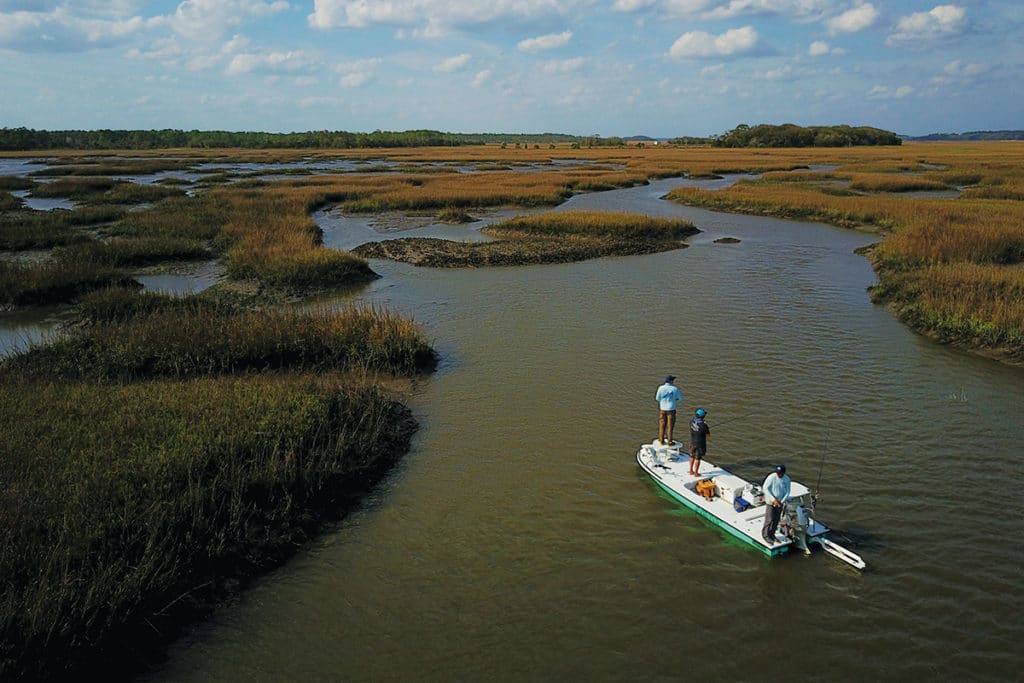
(520, 541)
(20, 330)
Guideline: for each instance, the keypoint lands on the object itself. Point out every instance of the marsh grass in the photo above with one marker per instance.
(454, 216)
(134, 252)
(100, 190)
(87, 166)
(49, 282)
(74, 188)
(126, 507)
(8, 202)
(13, 182)
(559, 237)
(196, 218)
(128, 340)
(23, 230)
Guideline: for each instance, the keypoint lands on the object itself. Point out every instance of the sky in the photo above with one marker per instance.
(661, 68)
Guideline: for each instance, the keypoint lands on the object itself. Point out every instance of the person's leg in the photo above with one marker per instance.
(671, 424)
(662, 423)
(771, 521)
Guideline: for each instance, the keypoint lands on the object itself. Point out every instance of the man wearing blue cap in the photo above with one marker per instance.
(667, 397)
(776, 493)
(699, 433)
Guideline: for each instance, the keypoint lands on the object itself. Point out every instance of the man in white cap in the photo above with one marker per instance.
(667, 397)
(776, 493)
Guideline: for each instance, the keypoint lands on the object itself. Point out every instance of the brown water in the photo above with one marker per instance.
(520, 541)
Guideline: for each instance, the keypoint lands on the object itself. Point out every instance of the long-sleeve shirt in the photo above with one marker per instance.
(776, 488)
(668, 395)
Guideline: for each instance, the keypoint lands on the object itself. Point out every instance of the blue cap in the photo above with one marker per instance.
(780, 469)
(700, 412)
(669, 378)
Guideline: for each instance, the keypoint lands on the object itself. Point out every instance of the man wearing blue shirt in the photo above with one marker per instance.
(667, 397)
(776, 493)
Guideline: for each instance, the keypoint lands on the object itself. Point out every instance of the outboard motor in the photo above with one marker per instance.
(797, 517)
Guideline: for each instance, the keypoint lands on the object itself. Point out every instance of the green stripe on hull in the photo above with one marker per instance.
(770, 552)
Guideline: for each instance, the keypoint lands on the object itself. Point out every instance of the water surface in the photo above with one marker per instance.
(520, 541)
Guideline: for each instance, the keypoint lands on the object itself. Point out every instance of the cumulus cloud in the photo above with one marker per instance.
(631, 5)
(59, 30)
(698, 44)
(453, 64)
(270, 62)
(548, 42)
(853, 20)
(357, 72)
(329, 14)
(820, 48)
(784, 73)
(940, 22)
(960, 72)
(481, 78)
(884, 92)
(210, 19)
(563, 66)
(800, 10)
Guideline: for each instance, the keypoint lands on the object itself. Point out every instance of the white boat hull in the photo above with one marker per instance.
(668, 466)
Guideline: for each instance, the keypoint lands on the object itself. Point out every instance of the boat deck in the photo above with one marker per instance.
(669, 466)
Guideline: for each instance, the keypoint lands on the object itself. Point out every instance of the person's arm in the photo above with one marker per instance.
(786, 487)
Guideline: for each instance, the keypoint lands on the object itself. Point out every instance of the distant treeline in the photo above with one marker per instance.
(27, 139)
(972, 136)
(522, 138)
(789, 135)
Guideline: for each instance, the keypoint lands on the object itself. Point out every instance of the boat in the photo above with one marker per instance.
(737, 506)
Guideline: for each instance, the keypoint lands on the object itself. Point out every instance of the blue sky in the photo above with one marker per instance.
(610, 67)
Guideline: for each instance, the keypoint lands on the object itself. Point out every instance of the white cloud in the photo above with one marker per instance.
(820, 48)
(481, 78)
(959, 72)
(329, 14)
(940, 22)
(58, 30)
(784, 73)
(237, 43)
(800, 10)
(354, 79)
(270, 62)
(357, 65)
(548, 42)
(959, 69)
(563, 66)
(453, 64)
(853, 20)
(204, 20)
(884, 92)
(698, 44)
(631, 5)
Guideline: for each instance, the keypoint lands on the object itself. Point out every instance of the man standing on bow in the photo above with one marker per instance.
(699, 433)
(667, 397)
(776, 493)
